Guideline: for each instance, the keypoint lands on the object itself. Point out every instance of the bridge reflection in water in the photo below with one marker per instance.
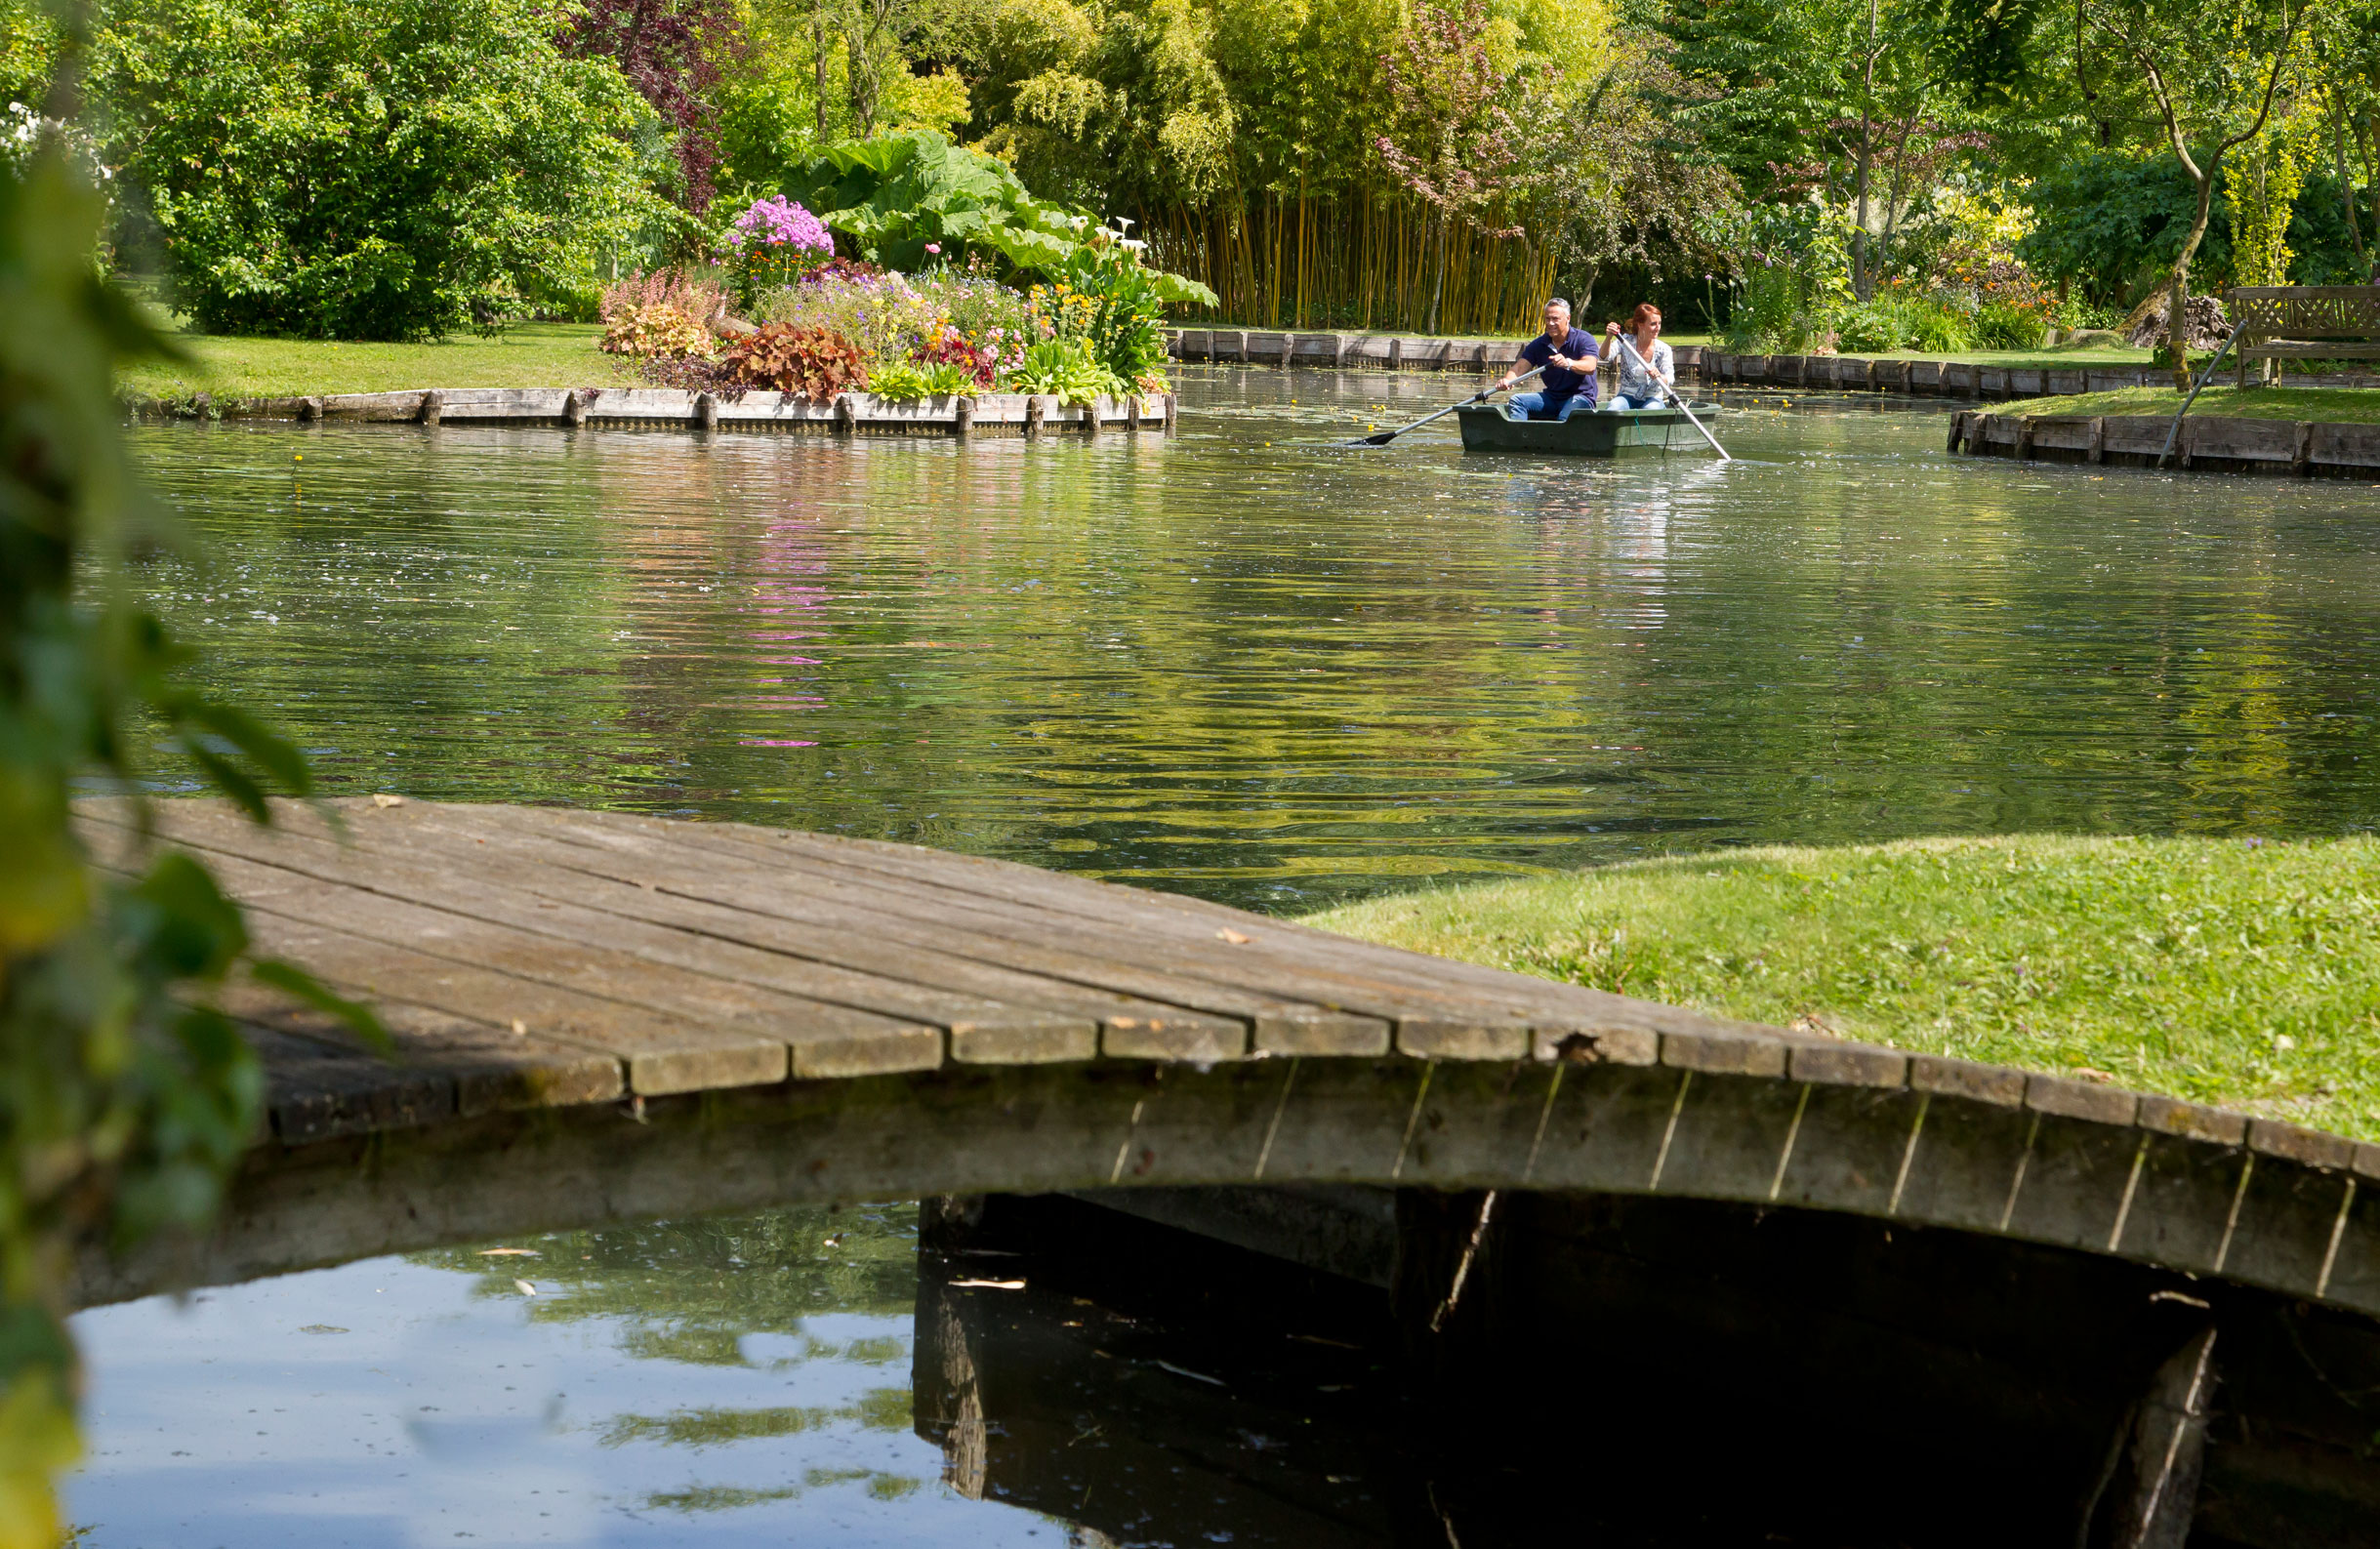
(1710, 1233)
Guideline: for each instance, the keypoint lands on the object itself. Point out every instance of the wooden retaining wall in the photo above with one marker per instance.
(1353, 352)
(850, 413)
(2210, 443)
(1942, 379)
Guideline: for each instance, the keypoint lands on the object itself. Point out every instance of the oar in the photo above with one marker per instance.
(1670, 394)
(1386, 436)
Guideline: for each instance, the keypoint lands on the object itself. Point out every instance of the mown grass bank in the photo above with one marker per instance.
(2227, 971)
(2327, 405)
(533, 355)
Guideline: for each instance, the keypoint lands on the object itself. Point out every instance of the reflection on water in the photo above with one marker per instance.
(666, 1384)
(1249, 663)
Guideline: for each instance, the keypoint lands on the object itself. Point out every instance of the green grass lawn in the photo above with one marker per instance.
(2226, 971)
(533, 355)
(2353, 405)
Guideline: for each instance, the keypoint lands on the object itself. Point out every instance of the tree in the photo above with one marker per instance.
(1456, 138)
(2211, 72)
(392, 171)
(670, 51)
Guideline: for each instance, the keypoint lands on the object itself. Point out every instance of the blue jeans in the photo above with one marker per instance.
(1621, 402)
(1532, 405)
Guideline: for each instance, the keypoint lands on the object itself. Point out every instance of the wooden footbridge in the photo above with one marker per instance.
(602, 1017)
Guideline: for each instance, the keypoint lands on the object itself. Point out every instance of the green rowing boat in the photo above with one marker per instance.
(1586, 433)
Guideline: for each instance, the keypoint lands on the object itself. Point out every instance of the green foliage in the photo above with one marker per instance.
(2006, 325)
(906, 381)
(2111, 223)
(2206, 968)
(125, 1096)
(896, 194)
(1064, 367)
(1939, 330)
(392, 170)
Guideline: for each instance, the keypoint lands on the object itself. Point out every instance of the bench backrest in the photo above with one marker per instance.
(2306, 311)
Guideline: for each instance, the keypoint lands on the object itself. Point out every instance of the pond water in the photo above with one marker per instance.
(1250, 664)
(1243, 662)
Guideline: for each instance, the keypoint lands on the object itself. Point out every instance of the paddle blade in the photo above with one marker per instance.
(1382, 440)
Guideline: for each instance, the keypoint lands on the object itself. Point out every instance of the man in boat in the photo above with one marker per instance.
(1568, 355)
(1647, 369)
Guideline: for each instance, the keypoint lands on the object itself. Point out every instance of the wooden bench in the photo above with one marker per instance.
(2304, 322)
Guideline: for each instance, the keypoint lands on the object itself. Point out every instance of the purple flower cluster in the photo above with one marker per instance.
(777, 221)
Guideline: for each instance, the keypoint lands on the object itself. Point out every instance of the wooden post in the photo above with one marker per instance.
(1339, 346)
(1091, 420)
(1958, 430)
(1243, 355)
(846, 414)
(706, 412)
(2099, 437)
(1907, 383)
(1132, 416)
(2024, 451)
(1169, 414)
(2186, 437)
(1289, 350)
(309, 410)
(962, 418)
(574, 409)
(1873, 386)
(2301, 456)
(1396, 354)
(433, 403)
(1034, 411)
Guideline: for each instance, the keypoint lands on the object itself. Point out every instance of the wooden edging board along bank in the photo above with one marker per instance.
(1951, 379)
(1028, 415)
(2301, 448)
(1350, 352)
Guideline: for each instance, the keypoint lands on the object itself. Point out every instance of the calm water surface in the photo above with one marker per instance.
(1247, 664)
(1242, 663)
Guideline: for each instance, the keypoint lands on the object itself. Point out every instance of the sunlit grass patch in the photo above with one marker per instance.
(532, 355)
(2331, 406)
(2228, 971)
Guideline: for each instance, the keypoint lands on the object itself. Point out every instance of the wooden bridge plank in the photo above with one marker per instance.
(1430, 1020)
(1015, 1027)
(1015, 884)
(664, 1051)
(666, 875)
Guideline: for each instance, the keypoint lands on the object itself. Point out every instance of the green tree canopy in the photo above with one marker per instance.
(392, 171)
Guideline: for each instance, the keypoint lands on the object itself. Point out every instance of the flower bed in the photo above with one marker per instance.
(782, 313)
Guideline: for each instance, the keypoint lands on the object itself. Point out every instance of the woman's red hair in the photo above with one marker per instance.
(1646, 312)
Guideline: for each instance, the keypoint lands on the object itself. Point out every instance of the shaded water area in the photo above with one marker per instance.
(1243, 663)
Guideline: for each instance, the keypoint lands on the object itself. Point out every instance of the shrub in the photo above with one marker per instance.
(1878, 324)
(1938, 330)
(882, 315)
(2008, 325)
(904, 381)
(659, 330)
(816, 363)
(775, 243)
(696, 292)
(392, 171)
(1065, 367)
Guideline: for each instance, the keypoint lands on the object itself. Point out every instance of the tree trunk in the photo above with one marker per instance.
(1862, 285)
(2176, 304)
(1438, 285)
(2347, 190)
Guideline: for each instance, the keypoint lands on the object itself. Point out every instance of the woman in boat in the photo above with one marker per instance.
(1646, 378)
